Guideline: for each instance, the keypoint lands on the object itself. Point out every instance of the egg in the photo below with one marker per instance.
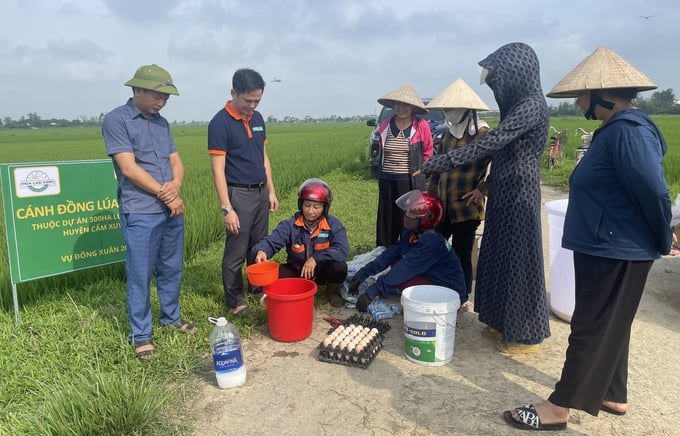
(327, 341)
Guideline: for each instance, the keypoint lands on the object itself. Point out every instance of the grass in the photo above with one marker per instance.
(67, 367)
(669, 125)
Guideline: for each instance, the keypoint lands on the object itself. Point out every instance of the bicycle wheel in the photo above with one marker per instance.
(561, 154)
(547, 160)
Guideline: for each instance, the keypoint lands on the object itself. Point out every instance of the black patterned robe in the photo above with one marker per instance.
(510, 293)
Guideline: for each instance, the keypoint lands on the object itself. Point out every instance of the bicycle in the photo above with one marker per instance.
(556, 153)
(585, 143)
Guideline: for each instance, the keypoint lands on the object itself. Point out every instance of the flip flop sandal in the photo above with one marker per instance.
(515, 348)
(185, 327)
(612, 411)
(247, 311)
(529, 420)
(145, 354)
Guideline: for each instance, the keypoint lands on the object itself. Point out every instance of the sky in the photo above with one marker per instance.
(69, 59)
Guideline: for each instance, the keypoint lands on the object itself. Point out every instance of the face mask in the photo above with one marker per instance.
(482, 78)
(457, 121)
(411, 223)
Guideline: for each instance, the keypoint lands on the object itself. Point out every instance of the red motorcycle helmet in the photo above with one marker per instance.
(315, 190)
(424, 205)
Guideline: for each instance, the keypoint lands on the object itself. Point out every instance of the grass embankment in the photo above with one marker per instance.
(68, 369)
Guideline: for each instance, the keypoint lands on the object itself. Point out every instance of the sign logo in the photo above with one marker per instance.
(37, 181)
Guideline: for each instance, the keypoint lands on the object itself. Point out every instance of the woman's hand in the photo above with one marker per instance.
(475, 196)
(308, 268)
(261, 256)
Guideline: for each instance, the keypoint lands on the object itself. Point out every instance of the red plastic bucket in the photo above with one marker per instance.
(290, 308)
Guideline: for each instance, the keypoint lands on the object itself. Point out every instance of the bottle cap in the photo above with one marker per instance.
(221, 321)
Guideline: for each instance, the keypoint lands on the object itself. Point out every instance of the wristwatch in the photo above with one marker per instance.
(226, 210)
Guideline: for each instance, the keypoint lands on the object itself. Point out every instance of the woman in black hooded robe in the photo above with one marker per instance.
(510, 295)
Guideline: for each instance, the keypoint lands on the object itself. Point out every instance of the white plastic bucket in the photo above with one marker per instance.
(429, 323)
(561, 263)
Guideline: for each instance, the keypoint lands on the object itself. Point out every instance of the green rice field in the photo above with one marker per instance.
(67, 367)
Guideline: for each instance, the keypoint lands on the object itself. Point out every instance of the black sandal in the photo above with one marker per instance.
(185, 327)
(144, 354)
(529, 420)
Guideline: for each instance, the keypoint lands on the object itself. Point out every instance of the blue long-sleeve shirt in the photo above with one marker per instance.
(619, 206)
(327, 243)
(429, 256)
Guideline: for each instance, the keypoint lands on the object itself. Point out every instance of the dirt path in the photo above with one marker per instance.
(290, 392)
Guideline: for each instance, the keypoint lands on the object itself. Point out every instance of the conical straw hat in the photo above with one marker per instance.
(404, 94)
(603, 69)
(458, 95)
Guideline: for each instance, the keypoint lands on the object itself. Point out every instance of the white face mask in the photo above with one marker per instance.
(457, 124)
(482, 78)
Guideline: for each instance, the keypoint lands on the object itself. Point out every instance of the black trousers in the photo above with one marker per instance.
(327, 272)
(252, 206)
(462, 240)
(608, 292)
(390, 220)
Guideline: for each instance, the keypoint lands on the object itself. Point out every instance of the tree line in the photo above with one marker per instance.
(660, 102)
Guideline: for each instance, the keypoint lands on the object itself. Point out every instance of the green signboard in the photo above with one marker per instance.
(60, 217)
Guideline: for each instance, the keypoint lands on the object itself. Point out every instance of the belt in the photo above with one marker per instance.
(249, 186)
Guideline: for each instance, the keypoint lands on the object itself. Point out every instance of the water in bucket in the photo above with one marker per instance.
(429, 323)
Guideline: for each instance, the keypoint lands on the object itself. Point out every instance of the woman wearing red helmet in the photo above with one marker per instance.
(421, 256)
(316, 242)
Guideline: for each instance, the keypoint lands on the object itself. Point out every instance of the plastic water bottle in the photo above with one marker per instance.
(227, 353)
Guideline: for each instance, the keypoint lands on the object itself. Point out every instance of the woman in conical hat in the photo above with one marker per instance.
(405, 143)
(617, 222)
(463, 188)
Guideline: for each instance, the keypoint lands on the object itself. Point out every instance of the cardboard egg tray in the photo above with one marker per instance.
(330, 354)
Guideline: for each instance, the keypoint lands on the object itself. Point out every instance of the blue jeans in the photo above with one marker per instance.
(155, 243)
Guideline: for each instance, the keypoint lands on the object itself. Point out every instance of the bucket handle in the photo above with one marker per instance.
(262, 300)
(442, 322)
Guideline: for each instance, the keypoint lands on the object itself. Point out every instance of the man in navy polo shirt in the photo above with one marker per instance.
(243, 180)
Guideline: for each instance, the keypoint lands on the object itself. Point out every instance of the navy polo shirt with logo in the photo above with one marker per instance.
(242, 141)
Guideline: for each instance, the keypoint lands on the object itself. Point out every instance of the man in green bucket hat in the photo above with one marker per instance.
(153, 78)
(149, 173)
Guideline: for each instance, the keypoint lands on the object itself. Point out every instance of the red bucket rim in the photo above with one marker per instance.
(291, 297)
